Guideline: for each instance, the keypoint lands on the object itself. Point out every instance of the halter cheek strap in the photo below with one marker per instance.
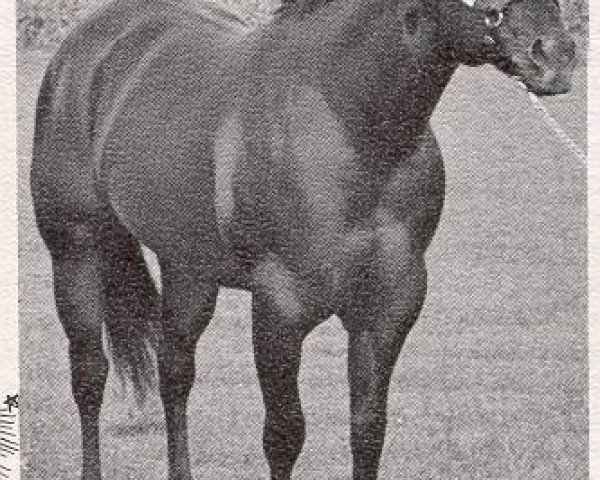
(490, 48)
(496, 54)
(493, 20)
(470, 34)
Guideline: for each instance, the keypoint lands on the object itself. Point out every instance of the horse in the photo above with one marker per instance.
(291, 157)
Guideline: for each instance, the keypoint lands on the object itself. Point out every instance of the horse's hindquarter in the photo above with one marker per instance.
(85, 88)
(157, 162)
(69, 109)
(291, 176)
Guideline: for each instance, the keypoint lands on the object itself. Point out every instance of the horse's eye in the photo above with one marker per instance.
(411, 21)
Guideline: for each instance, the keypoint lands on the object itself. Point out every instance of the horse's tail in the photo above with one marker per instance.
(131, 302)
(132, 316)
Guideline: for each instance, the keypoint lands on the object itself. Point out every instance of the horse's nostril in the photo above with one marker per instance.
(538, 53)
(546, 50)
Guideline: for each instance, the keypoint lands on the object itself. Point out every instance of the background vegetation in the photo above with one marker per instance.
(43, 23)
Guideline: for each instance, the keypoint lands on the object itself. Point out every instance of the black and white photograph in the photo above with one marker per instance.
(296, 240)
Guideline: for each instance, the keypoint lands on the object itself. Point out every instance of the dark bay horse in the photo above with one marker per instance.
(293, 159)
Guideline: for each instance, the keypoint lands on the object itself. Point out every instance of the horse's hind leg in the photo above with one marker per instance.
(77, 268)
(189, 296)
(100, 277)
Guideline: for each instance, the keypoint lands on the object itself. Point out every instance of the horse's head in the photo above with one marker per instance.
(535, 45)
(526, 39)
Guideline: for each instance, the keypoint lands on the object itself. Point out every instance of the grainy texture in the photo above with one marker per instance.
(492, 382)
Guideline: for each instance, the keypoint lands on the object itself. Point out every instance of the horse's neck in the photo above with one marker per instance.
(386, 95)
(382, 81)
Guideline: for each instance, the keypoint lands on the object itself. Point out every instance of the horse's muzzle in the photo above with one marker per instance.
(553, 59)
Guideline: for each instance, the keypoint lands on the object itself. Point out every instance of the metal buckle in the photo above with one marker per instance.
(496, 20)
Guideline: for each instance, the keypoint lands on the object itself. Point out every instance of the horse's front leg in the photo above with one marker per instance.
(189, 297)
(280, 324)
(378, 320)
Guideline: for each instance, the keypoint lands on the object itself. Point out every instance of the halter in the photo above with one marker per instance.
(496, 21)
(493, 20)
(491, 50)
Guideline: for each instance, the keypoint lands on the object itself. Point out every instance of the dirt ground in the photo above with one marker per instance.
(492, 382)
